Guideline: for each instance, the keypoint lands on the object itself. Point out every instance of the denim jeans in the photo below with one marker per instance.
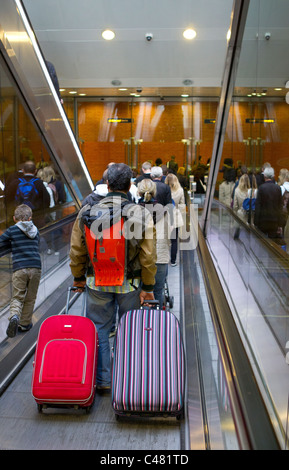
(174, 244)
(160, 277)
(101, 310)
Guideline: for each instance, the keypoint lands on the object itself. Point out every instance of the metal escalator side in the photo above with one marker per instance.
(225, 408)
(254, 273)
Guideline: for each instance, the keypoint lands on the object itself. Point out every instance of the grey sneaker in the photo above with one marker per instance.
(12, 326)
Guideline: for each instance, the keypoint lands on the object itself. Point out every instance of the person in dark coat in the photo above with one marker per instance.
(54, 78)
(268, 209)
(163, 195)
(145, 172)
(260, 176)
(40, 199)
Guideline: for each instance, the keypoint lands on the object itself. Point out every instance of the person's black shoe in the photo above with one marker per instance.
(12, 327)
(103, 388)
(24, 328)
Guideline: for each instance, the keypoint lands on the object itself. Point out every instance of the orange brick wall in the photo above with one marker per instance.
(162, 126)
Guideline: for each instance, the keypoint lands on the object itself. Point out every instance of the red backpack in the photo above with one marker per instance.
(108, 254)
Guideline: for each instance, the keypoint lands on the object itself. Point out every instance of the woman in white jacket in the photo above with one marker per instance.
(179, 201)
(147, 191)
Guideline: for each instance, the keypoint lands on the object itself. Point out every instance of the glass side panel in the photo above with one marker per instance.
(21, 142)
(256, 283)
(256, 279)
(34, 80)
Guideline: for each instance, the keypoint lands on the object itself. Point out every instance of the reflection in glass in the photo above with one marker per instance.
(255, 269)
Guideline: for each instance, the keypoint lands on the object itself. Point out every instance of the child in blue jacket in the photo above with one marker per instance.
(22, 239)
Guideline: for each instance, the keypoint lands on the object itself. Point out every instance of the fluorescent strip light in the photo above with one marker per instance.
(17, 36)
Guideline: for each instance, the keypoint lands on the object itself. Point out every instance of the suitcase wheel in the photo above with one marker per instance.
(181, 416)
(39, 407)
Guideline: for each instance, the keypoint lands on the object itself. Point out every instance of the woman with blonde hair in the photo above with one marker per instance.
(179, 199)
(147, 190)
(241, 193)
(283, 176)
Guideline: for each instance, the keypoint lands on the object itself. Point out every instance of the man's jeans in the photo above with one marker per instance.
(160, 278)
(101, 310)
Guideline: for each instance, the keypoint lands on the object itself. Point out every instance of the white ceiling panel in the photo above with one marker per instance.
(69, 33)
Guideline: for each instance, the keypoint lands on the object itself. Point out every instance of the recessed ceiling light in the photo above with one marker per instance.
(189, 33)
(108, 35)
(122, 89)
(185, 96)
(73, 92)
(82, 94)
(277, 89)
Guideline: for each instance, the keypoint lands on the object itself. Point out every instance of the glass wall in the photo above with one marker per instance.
(253, 264)
(21, 141)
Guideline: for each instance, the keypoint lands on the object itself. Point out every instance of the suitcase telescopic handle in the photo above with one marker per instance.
(150, 304)
(77, 289)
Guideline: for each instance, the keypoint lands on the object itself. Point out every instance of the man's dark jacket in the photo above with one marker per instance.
(268, 208)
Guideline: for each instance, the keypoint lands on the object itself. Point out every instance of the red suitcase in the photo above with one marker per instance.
(65, 362)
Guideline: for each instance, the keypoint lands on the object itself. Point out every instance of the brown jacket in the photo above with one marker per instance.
(141, 251)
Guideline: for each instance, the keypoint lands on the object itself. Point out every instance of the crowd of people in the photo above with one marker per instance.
(157, 193)
(260, 199)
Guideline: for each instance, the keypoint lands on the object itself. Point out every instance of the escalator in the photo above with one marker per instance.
(225, 408)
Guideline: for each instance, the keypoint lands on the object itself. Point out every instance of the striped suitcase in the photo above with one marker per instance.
(148, 370)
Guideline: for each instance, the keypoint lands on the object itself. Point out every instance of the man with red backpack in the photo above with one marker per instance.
(118, 236)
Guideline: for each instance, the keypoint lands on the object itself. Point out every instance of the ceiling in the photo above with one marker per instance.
(69, 33)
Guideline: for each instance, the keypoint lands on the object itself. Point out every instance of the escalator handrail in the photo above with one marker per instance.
(49, 228)
(276, 250)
